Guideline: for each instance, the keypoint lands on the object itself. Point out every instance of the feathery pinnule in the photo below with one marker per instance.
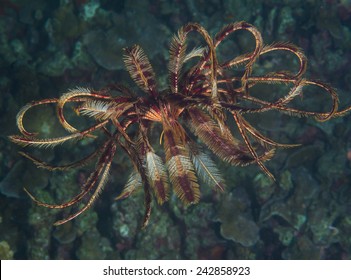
(177, 52)
(157, 176)
(206, 169)
(133, 184)
(224, 145)
(140, 69)
(180, 168)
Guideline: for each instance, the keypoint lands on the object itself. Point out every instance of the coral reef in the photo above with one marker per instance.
(5, 251)
(236, 220)
(48, 46)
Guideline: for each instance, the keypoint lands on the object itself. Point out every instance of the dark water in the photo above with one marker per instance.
(48, 47)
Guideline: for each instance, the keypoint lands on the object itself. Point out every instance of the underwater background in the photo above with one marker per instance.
(48, 47)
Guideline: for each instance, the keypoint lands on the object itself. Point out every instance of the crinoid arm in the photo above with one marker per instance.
(233, 27)
(45, 165)
(220, 142)
(93, 197)
(133, 184)
(51, 142)
(97, 180)
(180, 167)
(177, 53)
(76, 95)
(157, 176)
(140, 69)
(248, 144)
(206, 168)
(23, 111)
